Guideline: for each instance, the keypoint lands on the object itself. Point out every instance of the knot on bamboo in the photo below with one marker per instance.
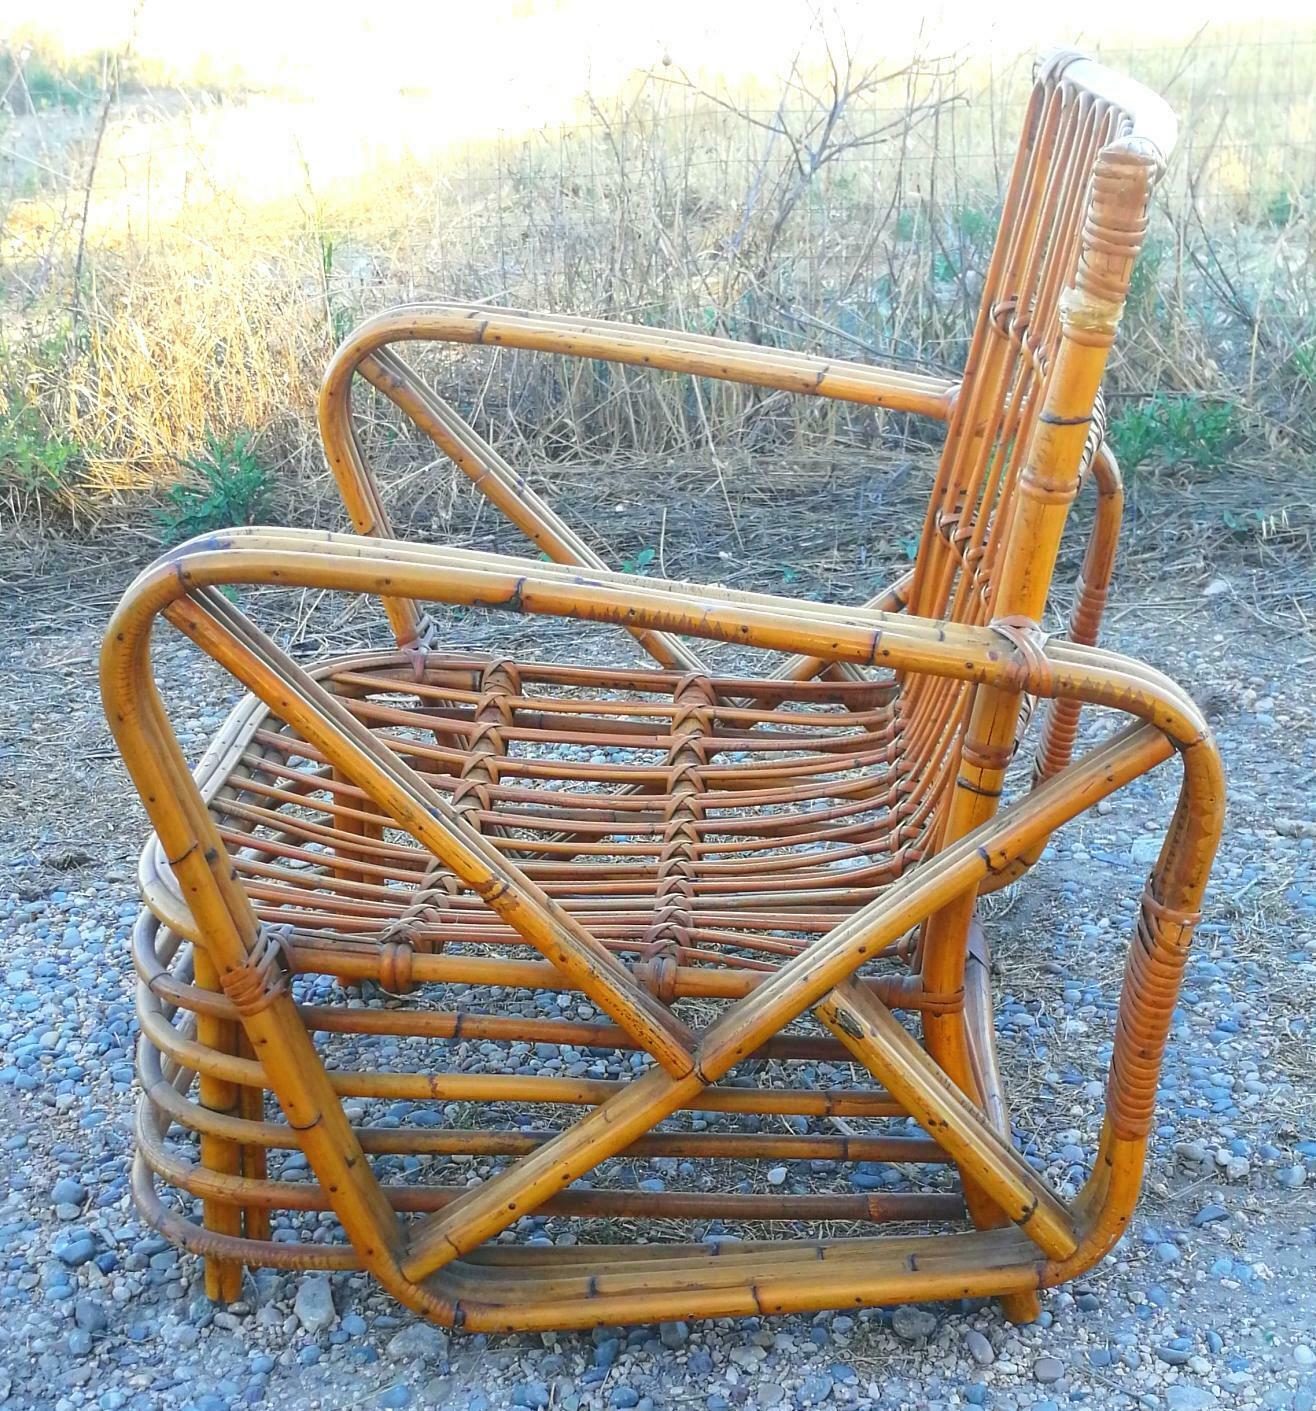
(428, 908)
(1151, 987)
(255, 985)
(417, 648)
(658, 973)
(1031, 671)
(981, 755)
(693, 698)
(395, 959)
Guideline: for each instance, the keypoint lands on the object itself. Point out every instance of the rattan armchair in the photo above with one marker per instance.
(721, 881)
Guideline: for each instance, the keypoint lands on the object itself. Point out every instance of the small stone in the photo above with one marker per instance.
(1304, 1356)
(77, 1252)
(421, 1342)
(531, 1394)
(912, 1323)
(1208, 1214)
(1168, 1253)
(814, 1389)
(777, 1176)
(67, 1191)
(314, 1305)
(90, 1316)
(624, 1397)
(395, 1396)
(979, 1347)
(79, 1342)
(1146, 849)
(673, 1335)
(1173, 1356)
(1048, 1369)
(1182, 1397)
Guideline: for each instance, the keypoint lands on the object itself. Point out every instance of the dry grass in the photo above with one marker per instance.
(180, 267)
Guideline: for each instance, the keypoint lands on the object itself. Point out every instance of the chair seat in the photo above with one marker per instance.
(702, 827)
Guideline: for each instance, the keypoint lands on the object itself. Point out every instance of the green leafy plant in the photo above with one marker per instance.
(1190, 431)
(228, 485)
(639, 563)
(39, 468)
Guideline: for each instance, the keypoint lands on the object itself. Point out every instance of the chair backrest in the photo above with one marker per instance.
(1093, 145)
(1077, 110)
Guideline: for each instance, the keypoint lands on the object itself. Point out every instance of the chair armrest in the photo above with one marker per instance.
(671, 350)
(370, 352)
(772, 622)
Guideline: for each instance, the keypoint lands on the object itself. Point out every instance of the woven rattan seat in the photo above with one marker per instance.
(440, 951)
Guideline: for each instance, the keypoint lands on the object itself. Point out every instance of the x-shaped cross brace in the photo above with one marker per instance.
(821, 978)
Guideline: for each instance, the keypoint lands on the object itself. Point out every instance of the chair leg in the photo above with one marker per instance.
(223, 1277)
(251, 1106)
(972, 1066)
(980, 1030)
(347, 864)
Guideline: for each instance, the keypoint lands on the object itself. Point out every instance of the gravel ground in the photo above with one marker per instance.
(1207, 1302)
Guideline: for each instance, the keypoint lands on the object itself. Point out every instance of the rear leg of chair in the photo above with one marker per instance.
(251, 1106)
(369, 828)
(223, 1277)
(980, 1031)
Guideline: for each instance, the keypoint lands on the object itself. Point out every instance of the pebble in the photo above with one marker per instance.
(1181, 1396)
(314, 1305)
(420, 1342)
(67, 1191)
(979, 1347)
(814, 1389)
(912, 1323)
(1048, 1369)
(673, 1335)
(1304, 1356)
(90, 1315)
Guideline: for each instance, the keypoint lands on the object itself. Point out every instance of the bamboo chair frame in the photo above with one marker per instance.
(805, 845)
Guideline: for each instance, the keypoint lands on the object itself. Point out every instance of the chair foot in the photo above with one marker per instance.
(223, 1280)
(1022, 1307)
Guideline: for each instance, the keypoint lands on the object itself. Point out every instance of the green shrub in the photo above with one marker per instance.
(39, 468)
(1190, 431)
(228, 485)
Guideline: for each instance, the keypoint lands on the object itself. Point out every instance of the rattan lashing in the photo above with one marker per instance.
(725, 879)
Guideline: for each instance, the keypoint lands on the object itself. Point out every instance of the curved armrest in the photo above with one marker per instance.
(370, 352)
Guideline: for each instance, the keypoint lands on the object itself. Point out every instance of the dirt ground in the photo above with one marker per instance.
(1209, 1301)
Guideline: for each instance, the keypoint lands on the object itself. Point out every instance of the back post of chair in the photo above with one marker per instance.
(1032, 517)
